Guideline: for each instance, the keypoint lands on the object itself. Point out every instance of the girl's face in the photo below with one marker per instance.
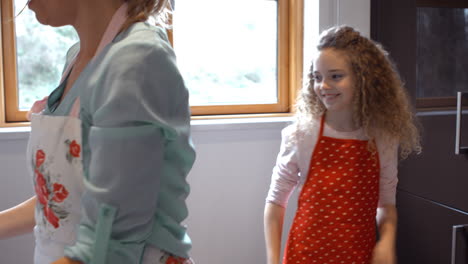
(334, 80)
(53, 12)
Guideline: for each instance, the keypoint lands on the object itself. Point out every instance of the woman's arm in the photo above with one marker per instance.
(273, 225)
(384, 251)
(18, 220)
(136, 125)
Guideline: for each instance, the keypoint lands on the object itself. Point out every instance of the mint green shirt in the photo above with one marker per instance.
(137, 149)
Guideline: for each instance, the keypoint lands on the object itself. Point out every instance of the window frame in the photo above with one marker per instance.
(9, 113)
(289, 63)
(439, 102)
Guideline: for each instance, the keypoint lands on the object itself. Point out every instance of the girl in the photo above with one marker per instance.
(351, 119)
(111, 185)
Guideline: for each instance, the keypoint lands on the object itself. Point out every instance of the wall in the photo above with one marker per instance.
(229, 180)
(15, 187)
(229, 183)
(355, 13)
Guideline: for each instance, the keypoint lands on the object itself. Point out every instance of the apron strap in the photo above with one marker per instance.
(75, 110)
(322, 123)
(103, 231)
(116, 23)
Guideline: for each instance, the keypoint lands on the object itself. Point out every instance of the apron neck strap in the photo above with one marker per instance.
(117, 21)
(322, 124)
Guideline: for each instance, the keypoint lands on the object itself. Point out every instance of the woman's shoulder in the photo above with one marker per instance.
(142, 46)
(144, 37)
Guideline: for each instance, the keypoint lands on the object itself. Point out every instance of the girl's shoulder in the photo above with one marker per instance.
(298, 132)
(387, 146)
(385, 140)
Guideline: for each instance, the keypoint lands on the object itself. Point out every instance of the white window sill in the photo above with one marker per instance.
(14, 133)
(240, 123)
(22, 133)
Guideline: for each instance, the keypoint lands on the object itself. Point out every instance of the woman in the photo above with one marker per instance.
(111, 185)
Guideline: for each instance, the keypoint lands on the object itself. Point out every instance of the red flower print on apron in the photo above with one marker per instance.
(168, 258)
(49, 194)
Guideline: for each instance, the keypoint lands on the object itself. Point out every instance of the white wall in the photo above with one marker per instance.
(229, 180)
(355, 13)
(229, 183)
(15, 187)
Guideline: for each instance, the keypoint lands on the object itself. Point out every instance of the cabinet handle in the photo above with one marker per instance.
(456, 230)
(458, 148)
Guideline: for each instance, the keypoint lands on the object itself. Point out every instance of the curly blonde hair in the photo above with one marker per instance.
(381, 104)
(142, 10)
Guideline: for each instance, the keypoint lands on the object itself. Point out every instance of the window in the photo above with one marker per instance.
(440, 75)
(237, 57)
(33, 57)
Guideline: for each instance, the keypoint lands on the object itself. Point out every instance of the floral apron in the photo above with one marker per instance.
(335, 219)
(54, 155)
(55, 158)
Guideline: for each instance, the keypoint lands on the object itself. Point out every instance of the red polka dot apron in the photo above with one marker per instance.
(335, 219)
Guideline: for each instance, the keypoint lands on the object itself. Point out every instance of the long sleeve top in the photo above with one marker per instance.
(137, 149)
(292, 164)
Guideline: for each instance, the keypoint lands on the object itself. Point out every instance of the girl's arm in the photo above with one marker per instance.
(18, 220)
(273, 224)
(284, 179)
(384, 251)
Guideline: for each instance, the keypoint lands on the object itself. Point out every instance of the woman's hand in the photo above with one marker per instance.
(37, 107)
(18, 220)
(383, 253)
(66, 260)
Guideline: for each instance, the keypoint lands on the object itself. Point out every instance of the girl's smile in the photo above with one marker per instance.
(330, 96)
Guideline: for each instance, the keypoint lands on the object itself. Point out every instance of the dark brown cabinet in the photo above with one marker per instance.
(428, 40)
(433, 199)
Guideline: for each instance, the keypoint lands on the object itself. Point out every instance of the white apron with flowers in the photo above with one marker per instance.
(55, 162)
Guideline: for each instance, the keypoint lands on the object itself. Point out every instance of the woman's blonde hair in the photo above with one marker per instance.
(142, 10)
(381, 104)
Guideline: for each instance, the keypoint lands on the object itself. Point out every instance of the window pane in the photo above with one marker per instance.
(227, 50)
(442, 53)
(41, 54)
